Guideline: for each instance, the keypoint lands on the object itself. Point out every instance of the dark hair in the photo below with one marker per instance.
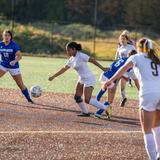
(143, 43)
(132, 52)
(73, 45)
(9, 32)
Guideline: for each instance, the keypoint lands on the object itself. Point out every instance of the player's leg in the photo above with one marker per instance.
(88, 94)
(132, 75)
(100, 94)
(136, 82)
(2, 73)
(156, 133)
(79, 100)
(123, 92)
(147, 120)
(18, 79)
(2, 70)
(130, 82)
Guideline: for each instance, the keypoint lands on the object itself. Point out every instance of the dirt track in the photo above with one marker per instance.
(50, 129)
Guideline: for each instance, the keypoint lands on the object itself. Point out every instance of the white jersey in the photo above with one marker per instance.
(123, 50)
(79, 63)
(147, 72)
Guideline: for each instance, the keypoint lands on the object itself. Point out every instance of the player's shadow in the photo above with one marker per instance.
(125, 118)
(115, 119)
(42, 107)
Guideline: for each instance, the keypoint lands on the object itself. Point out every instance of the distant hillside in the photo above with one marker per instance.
(50, 39)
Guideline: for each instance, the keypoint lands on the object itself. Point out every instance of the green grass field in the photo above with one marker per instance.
(35, 70)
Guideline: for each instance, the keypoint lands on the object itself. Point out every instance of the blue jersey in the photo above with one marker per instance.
(114, 67)
(8, 54)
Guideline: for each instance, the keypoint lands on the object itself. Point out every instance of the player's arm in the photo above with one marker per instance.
(117, 55)
(93, 60)
(17, 58)
(119, 73)
(61, 71)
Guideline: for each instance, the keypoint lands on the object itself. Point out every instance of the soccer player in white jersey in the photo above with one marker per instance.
(147, 68)
(122, 52)
(78, 61)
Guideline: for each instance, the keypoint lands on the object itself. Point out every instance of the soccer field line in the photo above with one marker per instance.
(69, 132)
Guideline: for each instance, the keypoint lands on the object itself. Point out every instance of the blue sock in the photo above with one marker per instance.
(100, 94)
(26, 94)
(100, 111)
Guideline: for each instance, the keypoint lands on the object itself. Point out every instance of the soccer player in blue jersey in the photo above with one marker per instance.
(114, 67)
(10, 57)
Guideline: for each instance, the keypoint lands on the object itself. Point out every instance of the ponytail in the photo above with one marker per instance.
(146, 46)
(153, 56)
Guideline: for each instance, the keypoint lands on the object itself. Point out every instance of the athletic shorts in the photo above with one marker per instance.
(88, 82)
(150, 102)
(13, 72)
(103, 79)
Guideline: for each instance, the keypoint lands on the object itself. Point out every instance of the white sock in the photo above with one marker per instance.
(123, 94)
(83, 107)
(98, 104)
(150, 146)
(156, 133)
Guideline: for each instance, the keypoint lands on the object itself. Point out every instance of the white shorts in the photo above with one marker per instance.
(88, 82)
(103, 79)
(13, 72)
(150, 102)
(130, 74)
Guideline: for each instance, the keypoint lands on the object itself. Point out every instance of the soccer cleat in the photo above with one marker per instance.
(122, 104)
(97, 115)
(30, 101)
(101, 116)
(109, 112)
(84, 114)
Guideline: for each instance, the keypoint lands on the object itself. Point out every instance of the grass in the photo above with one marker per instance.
(104, 49)
(35, 70)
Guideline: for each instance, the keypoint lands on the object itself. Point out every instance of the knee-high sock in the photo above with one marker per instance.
(97, 104)
(156, 133)
(100, 111)
(26, 94)
(100, 94)
(150, 146)
(83, 107)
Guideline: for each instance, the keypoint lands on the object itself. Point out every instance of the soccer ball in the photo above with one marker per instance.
(36, 91)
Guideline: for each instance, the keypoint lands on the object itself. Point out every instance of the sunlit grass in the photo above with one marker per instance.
(35, 70)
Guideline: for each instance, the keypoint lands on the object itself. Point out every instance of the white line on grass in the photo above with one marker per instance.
(68, 132)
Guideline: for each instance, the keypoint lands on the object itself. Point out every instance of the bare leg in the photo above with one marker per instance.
(2, 73)
(19, 81)
(24, 90)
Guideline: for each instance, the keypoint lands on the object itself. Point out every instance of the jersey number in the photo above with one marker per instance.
(6, 54)
(154, 69)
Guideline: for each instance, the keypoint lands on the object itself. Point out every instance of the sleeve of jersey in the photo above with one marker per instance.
(134, 47)
(69, 63)
(132, 59)
(85, 57)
